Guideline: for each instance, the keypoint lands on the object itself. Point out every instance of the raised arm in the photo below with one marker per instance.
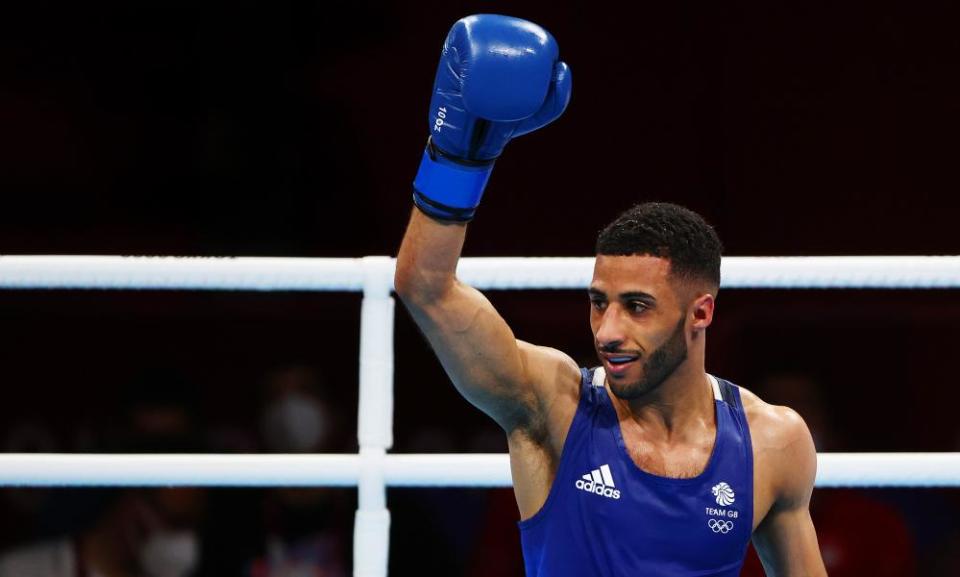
(479, 352)
(498, 78)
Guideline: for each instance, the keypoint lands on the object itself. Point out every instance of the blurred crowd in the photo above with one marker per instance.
(178, 532)
(307, 532)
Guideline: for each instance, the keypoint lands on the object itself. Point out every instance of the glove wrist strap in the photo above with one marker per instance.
(447, 188)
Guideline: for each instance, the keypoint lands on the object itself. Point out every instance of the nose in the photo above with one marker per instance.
(610, 332)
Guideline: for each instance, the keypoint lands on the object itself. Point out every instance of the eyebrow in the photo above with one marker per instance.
(638, 295)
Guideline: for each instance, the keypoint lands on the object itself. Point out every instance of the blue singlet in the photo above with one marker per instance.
(606, 517)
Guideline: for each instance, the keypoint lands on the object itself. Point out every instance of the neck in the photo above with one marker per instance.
(678, 409)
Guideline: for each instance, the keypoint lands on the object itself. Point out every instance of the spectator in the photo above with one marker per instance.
(307, 530)
(137, 532)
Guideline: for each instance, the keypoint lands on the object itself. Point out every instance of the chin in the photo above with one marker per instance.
(629, 386)
(626, 387)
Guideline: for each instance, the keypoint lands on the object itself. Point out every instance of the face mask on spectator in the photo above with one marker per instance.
(294, 423)
(170, 554)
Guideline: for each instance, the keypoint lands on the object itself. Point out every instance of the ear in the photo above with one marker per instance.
(701, 309)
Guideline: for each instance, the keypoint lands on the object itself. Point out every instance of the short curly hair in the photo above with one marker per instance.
(668, 231)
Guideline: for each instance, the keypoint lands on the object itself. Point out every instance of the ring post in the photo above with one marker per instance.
(371, 533)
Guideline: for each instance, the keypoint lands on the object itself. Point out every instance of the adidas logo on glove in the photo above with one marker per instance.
(600, 482)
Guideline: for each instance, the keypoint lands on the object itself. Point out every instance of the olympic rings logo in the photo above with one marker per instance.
(718, 526)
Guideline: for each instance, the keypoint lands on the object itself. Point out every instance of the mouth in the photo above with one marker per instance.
(619, 364)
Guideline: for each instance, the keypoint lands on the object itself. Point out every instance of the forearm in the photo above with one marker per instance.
(473, 343)
(427, 261)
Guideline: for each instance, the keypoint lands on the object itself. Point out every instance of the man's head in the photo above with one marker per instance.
(654, 284)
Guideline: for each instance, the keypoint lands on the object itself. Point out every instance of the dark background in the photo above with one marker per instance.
(295, 129)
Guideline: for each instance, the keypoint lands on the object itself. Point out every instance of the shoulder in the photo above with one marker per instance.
(773, 426)
(782, 444)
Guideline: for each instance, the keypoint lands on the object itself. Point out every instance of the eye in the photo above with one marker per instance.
(637, 306)
(598, 304)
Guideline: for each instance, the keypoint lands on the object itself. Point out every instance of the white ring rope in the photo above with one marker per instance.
(331, 274)
(372, 469)
(400, 470)
(168, 272)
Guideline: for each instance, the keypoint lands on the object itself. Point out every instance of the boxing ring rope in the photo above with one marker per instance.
(372, 470)
(410, 470)
(346, 274)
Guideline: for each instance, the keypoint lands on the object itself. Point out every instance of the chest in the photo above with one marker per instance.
(688, 460)
(680, 461)
(661, 504)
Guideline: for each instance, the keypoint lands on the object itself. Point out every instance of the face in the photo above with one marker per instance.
(638, 321)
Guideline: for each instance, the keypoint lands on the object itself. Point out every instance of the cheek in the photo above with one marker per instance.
(649, 335)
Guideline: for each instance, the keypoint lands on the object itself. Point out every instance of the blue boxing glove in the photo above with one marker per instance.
(499, 77)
